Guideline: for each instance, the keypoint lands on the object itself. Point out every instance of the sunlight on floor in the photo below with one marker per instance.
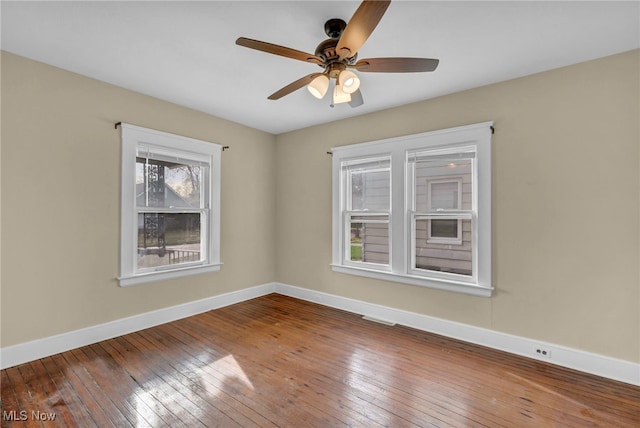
(152, 401)
(227, 370)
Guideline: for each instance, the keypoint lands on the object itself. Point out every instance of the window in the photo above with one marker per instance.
(442, 212)
(170, 206)
(416, 209)
(368, 202)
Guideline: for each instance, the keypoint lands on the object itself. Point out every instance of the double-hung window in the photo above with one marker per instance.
(416, 209)
(442, 212)
(170, 205)
(367, 209)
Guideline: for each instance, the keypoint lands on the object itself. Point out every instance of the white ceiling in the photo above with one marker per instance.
(185, 52)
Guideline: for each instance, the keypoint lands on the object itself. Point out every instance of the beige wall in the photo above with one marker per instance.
(61, 199)
(565, 152)
(566, 206)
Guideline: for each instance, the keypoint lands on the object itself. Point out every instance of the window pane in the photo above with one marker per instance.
(443, 257)
(369, 242)
(444, 195)
(168, 239)
(444, 229)
(443, 184)
(168, 184)
(370, 190)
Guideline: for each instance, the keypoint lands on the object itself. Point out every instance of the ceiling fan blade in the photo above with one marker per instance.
(278, 50)
(396, 65)
(356, 99)
(293, 86)
(360, 27)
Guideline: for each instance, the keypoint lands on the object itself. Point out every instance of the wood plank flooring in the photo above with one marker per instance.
(276, 361)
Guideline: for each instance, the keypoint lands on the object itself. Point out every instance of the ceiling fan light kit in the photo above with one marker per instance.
(338, 53)
(348, 81)
(340, 96)
(319, 86)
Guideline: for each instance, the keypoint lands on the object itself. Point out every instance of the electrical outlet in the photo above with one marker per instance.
(542, 352)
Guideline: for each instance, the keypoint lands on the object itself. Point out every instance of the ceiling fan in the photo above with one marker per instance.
(338, 54)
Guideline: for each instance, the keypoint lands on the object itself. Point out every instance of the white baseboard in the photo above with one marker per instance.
(621, 370)
(29, 351)
(624, 371)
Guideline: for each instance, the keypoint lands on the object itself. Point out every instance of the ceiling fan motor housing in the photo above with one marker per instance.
(327, 50)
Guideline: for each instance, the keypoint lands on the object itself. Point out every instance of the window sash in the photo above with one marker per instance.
(445, 245)
(369, 218)
(203, 247)
(380, 164)
(159, 155)
(203, 180)
(433, 244)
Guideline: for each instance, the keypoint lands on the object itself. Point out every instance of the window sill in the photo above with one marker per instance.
(126, 281)
(439, 284)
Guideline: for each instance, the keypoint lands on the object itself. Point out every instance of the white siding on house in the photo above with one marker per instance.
(375, 243)
(444, 257)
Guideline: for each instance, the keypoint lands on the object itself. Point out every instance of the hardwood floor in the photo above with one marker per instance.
(280, 362)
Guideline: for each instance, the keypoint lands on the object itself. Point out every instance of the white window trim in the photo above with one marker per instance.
(133, 136)
(401, 254)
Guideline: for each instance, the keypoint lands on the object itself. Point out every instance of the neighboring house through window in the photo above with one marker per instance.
(444, 194)
(170, 206)
(416, 209)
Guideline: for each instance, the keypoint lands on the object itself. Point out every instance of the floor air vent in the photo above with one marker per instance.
(368, 318)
